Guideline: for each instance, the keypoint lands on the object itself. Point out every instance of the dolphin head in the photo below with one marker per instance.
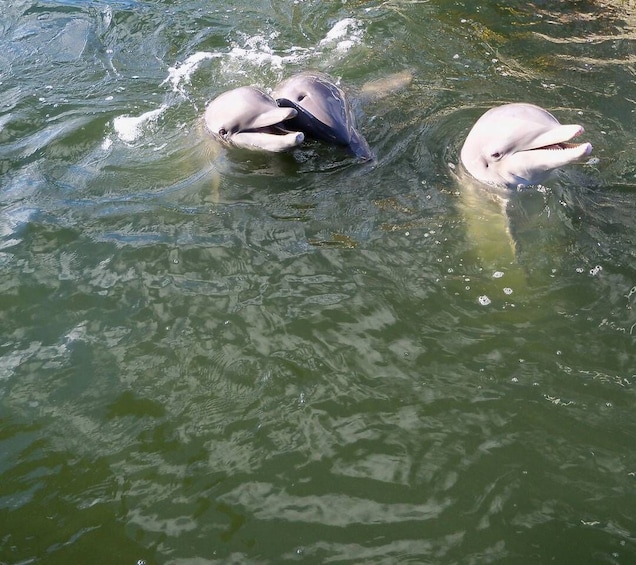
(246, 117)
(323, 111)
(519, 144)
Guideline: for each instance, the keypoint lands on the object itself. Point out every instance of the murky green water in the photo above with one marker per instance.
(213, 357)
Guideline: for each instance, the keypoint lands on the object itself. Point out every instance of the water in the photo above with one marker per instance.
(213, 357)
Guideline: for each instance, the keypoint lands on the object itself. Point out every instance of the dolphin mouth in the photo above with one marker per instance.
(273, 129)
(305, 121)
(559, 139)
(564, 150)
(273, 138)
(564, 145)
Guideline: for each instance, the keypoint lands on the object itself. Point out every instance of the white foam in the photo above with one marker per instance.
(128, 128)
(257, 50)
(182, 73)
(344, 34)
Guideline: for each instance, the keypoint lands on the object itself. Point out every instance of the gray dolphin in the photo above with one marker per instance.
(246, 117)
(323, 111)
(519, 144)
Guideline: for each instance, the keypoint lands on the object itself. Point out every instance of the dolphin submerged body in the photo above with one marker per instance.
(322, 111)
(248, 118)
(520, 144)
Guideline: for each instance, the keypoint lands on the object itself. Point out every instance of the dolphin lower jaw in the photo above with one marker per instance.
(574, 150)
(555, 155)
(559, 139)
(266, 139)
(533, 166)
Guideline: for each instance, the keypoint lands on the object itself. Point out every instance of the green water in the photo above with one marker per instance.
(217, 357)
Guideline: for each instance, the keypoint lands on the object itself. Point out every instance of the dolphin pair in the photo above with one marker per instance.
(308, 104)
(520, 144)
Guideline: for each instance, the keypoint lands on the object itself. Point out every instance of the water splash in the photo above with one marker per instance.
(344, 34)
(129, 128)
(182, 73)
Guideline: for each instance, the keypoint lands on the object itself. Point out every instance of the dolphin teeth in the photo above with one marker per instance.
(558, 146)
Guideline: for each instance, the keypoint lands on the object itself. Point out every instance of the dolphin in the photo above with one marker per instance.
(323, 111)
(519, 144)
(248, 118)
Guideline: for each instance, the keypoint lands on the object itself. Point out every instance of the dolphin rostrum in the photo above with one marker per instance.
(323, 111)
(519, 144)
(248, 118)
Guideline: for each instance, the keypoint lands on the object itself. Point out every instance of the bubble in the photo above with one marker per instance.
(497, 274)
(507, 290)
(484, 300)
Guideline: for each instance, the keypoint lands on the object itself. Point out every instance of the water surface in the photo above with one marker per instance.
(219, 357)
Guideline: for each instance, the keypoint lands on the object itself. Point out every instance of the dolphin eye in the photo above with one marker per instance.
(301, 97)
(222, 132)
(495, 156)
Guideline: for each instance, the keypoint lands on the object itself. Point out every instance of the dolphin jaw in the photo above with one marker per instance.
(543, 154)
(269, 139)
(264, 132)
(556, 154)
(269, 119)
(556, 138)
(532, 166)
